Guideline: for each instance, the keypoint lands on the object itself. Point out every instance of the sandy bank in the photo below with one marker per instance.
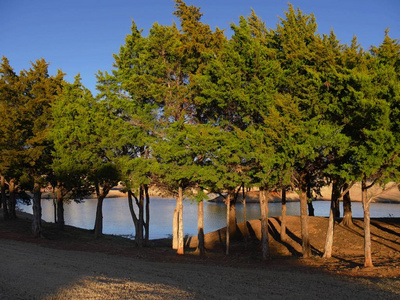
(388, 196)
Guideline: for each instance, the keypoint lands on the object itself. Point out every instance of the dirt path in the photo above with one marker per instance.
(30, 271)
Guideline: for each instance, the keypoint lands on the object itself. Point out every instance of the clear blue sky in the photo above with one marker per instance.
(81, 36)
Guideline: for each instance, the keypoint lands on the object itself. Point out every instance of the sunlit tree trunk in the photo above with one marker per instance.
(200, 226)
(306, 247)
(331, 222)
(37, 210)
(175, 226)
(283, 220)
(228, 223)
(264, 223)
(244, 216)
(367, 228)
(180, 222)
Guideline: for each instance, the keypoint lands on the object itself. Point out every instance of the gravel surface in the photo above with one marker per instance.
(30, 271)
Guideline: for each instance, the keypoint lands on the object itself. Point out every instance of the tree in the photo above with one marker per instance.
(12, 135)
(377, 155)
(38, 92)
(340, 97)
(136, 176)
(152, 86)
(177, 170)
(236, 87)
(308, 62)
(87, 138)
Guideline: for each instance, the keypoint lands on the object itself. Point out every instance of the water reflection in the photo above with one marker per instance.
(117, 219)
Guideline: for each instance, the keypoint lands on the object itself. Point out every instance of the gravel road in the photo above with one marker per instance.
(29, 271)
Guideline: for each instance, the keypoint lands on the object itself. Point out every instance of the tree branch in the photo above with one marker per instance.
(347, 190)
(383, 191)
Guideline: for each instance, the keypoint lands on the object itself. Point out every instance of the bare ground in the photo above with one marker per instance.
(73, 265)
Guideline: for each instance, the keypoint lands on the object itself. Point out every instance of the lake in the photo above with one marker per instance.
(117, 219)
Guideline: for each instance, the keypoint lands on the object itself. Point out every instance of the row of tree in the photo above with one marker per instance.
(188, 109)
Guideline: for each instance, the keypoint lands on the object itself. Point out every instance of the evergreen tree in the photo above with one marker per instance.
(11, 133)
(152, 87)
(308, 61)
(377, 156)
(38, 92)
(294, 39)
(87, 140)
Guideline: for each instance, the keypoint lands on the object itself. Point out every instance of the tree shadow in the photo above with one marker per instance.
(276, 235)
(188, 239)
(222, 240)
(387, 230)
(378, 236)
(251, 233)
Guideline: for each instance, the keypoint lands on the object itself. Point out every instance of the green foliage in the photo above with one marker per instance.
(185, 106)
(26, 119)
(87, 138)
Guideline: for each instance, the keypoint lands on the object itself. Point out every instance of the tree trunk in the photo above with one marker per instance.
(232, 216)
(331, 222)
(336, 206)
(2, 190)
(347, 214)
(175, 226)
(60, 207)
(228, 223)
(245, 217)
(283, 220)
(264, 223)
(147, 223)
(37, 210)
(306, 247)
(180, 249)
(141, 217)
(12, 199)
(6, 215)
(329, 234)
(98, 226)
(367, 230)
(310, 207)
(309, 202)
(54, 205)
(133, 215)
(200, 226)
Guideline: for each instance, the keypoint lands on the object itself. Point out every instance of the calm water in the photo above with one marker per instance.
(117, 219)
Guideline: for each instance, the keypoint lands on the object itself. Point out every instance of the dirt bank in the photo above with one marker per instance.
(390, 195)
